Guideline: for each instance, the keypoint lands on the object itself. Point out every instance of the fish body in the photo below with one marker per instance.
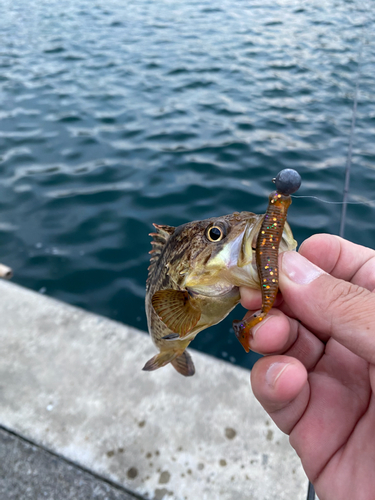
(194, 277)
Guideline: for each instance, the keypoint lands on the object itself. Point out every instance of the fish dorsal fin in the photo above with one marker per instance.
(164, 231)
(160, 238)
(177, 310)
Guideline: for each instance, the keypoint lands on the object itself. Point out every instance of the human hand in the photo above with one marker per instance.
(317, 381)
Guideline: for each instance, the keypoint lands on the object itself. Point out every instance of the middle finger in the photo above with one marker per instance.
(280, 334)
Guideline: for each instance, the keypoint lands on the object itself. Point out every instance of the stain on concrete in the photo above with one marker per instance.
(161, 493)
(269, 435)
(121, 450)
(164, 477)
(200, 466)
(148, 455)
(230, 433)
(222, 462)
(142, 423)
(132, 473)
(110, 453)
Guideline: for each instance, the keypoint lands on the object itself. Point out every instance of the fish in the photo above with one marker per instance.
(194, 276)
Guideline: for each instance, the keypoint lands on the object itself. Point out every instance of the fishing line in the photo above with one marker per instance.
(367, 202)
(350, 149)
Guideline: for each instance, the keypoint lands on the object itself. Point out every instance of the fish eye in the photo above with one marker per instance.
(215, 233)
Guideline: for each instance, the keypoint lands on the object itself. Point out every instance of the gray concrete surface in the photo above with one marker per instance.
(28, 472)
(71, 382)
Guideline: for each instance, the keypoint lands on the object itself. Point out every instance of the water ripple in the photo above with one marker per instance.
(93, 190)
(113, 117)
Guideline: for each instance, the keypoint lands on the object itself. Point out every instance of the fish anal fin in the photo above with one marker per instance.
(184, 364)
(177, 310)
(161, 359)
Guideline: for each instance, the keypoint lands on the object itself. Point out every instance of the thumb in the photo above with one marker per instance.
(328, 306)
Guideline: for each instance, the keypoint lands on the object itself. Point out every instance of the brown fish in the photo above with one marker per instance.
(194, 278)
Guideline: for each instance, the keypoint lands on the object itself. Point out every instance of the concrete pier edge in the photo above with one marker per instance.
(15, 482)
(71, 382)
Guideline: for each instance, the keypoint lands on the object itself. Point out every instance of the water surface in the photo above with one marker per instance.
(114, 115)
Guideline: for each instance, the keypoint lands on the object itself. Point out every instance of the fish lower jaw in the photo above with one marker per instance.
(245, 276)
(214, 291)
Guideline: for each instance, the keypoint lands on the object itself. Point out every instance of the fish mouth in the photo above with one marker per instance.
(247, 253)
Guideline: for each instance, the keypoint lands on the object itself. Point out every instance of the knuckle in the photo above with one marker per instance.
(345, 298)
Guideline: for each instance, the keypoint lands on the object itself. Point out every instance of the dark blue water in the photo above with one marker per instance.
(115, 114)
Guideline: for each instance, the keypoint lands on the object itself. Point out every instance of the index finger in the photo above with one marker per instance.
(338, 257)
(341, 259)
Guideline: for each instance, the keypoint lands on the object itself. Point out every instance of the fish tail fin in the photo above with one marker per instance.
(161, 359)
(184, 364)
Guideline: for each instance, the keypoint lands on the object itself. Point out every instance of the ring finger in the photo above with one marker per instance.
(279, 334)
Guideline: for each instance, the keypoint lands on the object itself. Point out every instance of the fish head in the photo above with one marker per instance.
(223, 253)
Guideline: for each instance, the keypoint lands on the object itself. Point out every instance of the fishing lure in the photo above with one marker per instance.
(287, 182)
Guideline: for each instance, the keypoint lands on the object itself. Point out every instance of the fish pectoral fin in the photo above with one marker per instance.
(184, 364)
(177, 310)
(161, 359)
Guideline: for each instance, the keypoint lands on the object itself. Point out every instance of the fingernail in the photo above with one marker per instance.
(261, 323)
(299, 269)
(275, 371)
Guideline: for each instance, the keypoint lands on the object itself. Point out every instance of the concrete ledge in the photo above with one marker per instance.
(72, 382)
(27, 472)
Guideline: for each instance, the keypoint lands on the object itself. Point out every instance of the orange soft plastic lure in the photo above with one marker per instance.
(287, 182)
